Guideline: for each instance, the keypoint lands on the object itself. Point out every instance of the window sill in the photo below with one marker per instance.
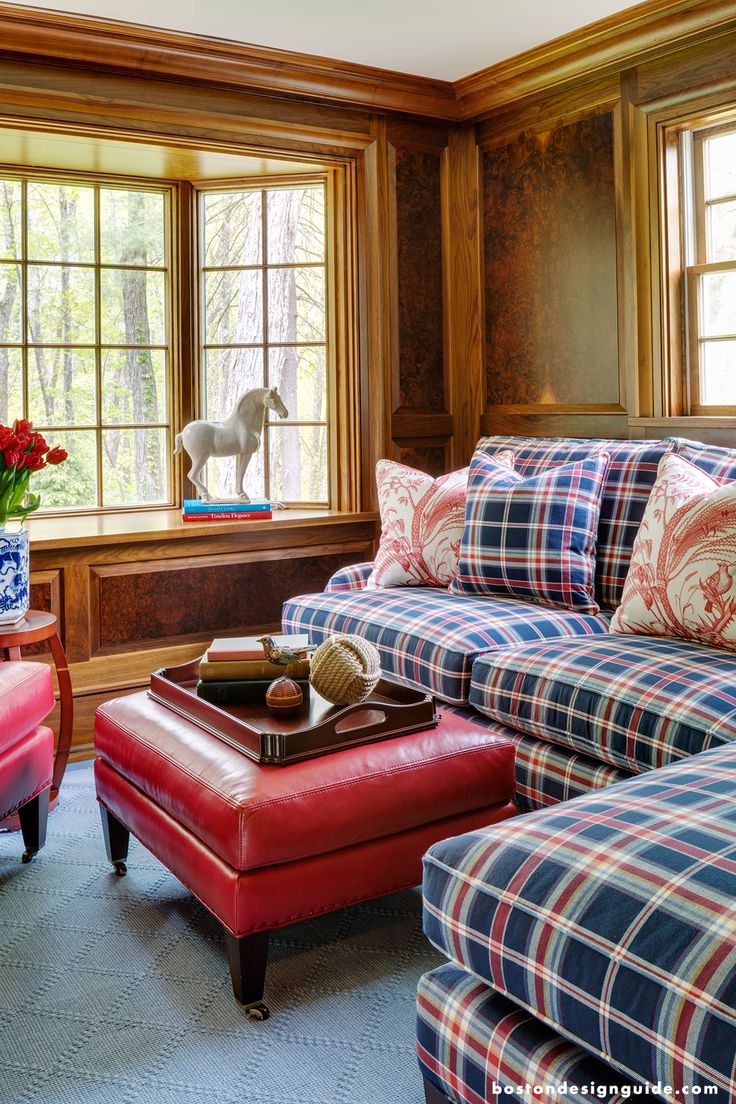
(97, 530)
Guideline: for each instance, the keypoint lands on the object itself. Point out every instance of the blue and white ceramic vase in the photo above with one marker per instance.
(15, 572)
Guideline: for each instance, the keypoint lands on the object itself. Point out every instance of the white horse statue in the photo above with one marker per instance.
(239, 436)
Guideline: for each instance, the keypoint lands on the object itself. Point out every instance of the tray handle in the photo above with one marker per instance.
(373, 718)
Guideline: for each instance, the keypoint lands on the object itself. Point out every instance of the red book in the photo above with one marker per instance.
(235, 649)
(242, 515)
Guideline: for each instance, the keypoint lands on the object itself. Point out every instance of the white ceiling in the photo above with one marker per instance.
(434, 38)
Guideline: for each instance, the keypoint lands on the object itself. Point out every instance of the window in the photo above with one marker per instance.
(85, 334)
(711, 272)
(264, 323)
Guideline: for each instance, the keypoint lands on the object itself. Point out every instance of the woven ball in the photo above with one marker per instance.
(345, 669)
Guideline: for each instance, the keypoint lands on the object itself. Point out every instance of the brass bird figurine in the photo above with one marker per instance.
(278, 653)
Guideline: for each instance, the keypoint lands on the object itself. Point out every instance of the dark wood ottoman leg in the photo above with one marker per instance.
(248, 957)
(117, 838)
(432, 1094)
(33, 817)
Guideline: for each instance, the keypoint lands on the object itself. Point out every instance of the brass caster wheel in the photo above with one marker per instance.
(120, 869)
(257, 1011)
(28, 855)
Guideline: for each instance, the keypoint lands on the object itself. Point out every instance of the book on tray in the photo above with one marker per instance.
(235, 669)
(259, 509)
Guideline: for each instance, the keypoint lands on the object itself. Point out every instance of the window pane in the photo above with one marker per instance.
(11, 385)
(719, 303)
(131, 227)
(60, 221)
(301, 378)
(233, 312)
(296, 225)
(719, 373)
(10, 216)
(722, 232)
(232, 228)
(133, 385)
(296, 305)
(298, 463)
(133, 307)
(720, 160)
(73, 483)
(10, 302)
(61, 386)
(228, 374)
(220, 477)
(134, 465)
(61, 305)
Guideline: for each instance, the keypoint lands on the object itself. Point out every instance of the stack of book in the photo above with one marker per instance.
(259, 509)
(235, 670)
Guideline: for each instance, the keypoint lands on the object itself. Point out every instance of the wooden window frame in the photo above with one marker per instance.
(263, 184)
(168, 190)
(698, 233)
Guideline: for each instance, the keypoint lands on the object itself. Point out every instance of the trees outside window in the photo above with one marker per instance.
(263, 277)
(84, 334)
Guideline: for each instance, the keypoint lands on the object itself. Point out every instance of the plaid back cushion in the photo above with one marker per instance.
(718, 462)
(632, 469)
(532, 538)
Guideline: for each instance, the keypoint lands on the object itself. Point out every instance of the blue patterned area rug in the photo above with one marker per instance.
(116, 990)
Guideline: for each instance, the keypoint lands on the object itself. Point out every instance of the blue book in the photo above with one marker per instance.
(196, 506)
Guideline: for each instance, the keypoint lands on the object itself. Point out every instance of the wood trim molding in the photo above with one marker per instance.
(621, 40)
(200, 59)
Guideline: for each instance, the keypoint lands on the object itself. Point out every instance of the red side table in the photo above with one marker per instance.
(35, 627)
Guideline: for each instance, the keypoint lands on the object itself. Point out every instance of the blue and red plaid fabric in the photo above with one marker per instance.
(632, 469)
(635, 702)
(545, 773)
(473, 1043)
(429, 637)
(533, 538)
(353, 577)
(719, 463)
(612, 918)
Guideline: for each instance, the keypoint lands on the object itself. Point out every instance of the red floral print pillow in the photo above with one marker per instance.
(682, 578)
(422, 521)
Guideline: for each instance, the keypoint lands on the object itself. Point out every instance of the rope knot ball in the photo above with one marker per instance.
(345, 669)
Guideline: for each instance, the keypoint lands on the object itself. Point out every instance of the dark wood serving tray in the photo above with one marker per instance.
(317, 728)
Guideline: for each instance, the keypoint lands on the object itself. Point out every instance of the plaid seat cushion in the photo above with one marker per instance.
(533, 538)
(635, 702)
(473, 1043)
(545, 773)
(632, 469)
(428, 637)
(612, 918)
(353, 577)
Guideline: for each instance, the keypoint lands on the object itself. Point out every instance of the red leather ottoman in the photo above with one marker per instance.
(26, 748)
(266, 846)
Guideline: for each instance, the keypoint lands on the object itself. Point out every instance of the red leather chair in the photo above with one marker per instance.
(26, 749)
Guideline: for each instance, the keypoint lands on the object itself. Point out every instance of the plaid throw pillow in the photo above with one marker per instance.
(532, 538)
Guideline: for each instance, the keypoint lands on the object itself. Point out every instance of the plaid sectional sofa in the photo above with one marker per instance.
(593, 942)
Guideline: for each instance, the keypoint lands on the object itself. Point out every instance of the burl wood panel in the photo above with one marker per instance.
(550, 267)
(419, 264)
(146, 606)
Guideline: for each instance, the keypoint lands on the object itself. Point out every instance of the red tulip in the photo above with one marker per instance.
(13, 458)
(20, 425)
(56, 455)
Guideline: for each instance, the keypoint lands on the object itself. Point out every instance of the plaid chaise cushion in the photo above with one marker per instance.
(612, 918)
(429, 637)
(353, 577)
(532, 538)
(632, 469)
(635, 702)
(472, 1043)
